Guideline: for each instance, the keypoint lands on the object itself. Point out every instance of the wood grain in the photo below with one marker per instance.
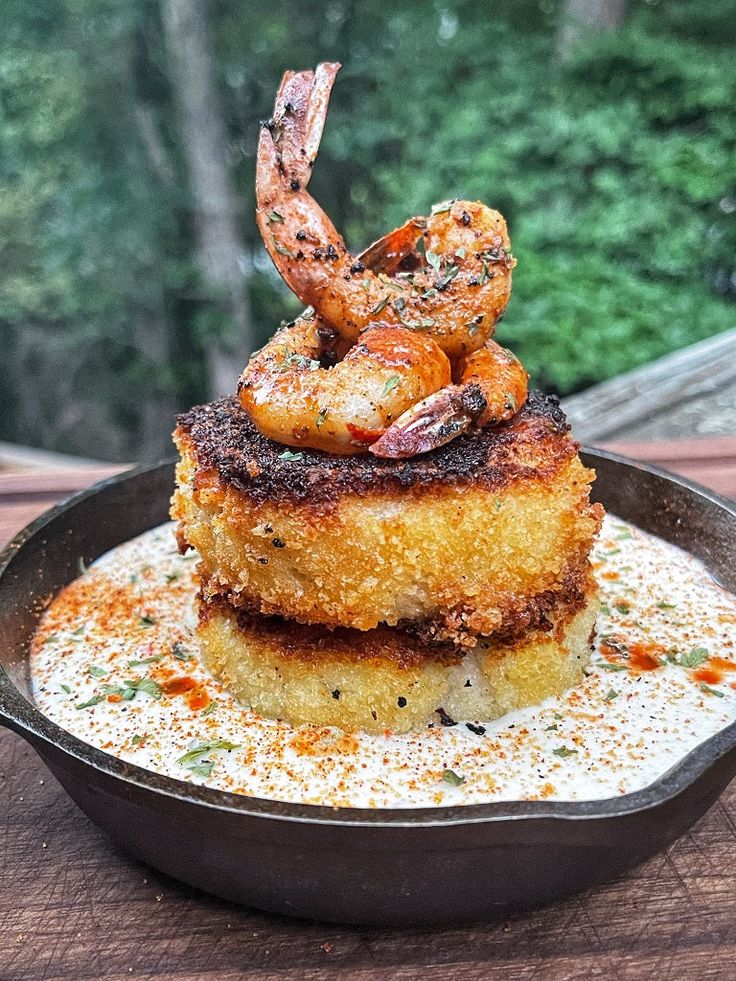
(72, 906)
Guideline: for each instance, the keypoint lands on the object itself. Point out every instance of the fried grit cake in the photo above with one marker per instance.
(460, 543)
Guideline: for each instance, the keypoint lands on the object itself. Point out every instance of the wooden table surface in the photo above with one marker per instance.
(73, 906)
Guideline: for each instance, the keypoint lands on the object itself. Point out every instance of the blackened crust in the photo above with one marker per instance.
(221, 437)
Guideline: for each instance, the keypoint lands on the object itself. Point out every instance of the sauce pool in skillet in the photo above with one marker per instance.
(116, 663)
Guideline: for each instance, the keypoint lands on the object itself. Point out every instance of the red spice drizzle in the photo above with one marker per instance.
(197, 697)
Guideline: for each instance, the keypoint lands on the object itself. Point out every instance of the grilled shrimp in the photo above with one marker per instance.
(293, 399)
(455, 292)
(492, 388)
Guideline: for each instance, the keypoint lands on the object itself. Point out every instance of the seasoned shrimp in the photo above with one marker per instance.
(293, 399)
(492, 388)
(456, 291)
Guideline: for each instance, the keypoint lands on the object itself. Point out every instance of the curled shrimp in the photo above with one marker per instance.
(456, 291)
(492, 388)
(293, 399)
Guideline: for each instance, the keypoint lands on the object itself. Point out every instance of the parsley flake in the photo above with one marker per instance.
(180, 652)
(710, 691)
(563, 752)
(454, 779)
(274, 216)
(95, 700)
(693, 658)
(289, 455)
(391, 384)
(281, 249)
(321, 416)
(147, 621)
(612, 693)
(146, 660)
(194, 757)
(96, 672)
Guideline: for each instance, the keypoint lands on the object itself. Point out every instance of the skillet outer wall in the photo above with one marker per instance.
(381, 876)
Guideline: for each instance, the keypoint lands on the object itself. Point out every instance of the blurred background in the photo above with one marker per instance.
(132, 279)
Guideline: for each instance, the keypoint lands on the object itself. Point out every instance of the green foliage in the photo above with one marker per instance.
(616, 173)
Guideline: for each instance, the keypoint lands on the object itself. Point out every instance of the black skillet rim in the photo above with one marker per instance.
(27, 720)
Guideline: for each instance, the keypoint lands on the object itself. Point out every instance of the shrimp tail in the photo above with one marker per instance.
(397, 250)
(291, 138)
(432, 422)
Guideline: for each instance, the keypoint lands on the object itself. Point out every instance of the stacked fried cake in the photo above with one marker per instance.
(387, 594)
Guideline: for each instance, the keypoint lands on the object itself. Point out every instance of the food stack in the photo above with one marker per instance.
(391, 533)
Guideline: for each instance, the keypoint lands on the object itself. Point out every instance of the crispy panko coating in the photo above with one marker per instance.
(456, 543)
(385, 679)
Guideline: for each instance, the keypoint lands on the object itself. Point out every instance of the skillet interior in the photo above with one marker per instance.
(451, 863)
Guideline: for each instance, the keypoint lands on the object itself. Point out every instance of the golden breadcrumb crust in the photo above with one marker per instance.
(385, 679)
(458, 543)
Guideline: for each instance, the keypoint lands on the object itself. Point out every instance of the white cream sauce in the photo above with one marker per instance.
(119, 641)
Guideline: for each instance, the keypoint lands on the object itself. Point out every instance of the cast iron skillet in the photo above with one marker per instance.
(384, 867)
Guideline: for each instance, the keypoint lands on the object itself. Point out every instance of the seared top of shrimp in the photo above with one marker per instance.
(455, 292)
(293, 399)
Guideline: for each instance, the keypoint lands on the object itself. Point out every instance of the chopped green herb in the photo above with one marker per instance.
(693, 658)
(552, 728)
(460, 253)
(281, 249)
(612, 693)
(139, 740)
(511, 399)
(97, 672)
(51, 639)
(563, 751)
(434, 260)
(622, 606)
(613, 551)
(146, 660)
(133, 579)
(67, 689)
(607, 666)
(95, 700)
(710, 691)
(147, 621)
(485, 273)
(450, 274)
(289, 455)
(199, 750)
(295, 360)
(274, 216)
(454, 779)
(558, 716)
(391, 384)
(381, 304)
(78, 632)
(666, 606)
(83, 567)
(180, 652)
(172, 576)
(442, 207)
(497, 504)
(321, 416)
(203, 769)
(113, 690)
(147, 685)
(212, 707)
